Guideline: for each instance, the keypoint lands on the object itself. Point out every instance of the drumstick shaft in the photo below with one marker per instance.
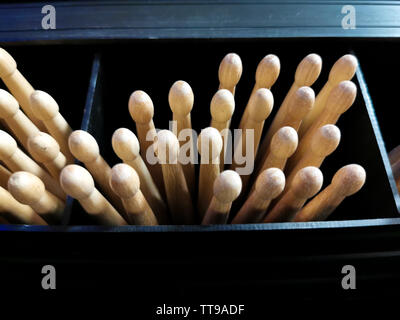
(15, 210)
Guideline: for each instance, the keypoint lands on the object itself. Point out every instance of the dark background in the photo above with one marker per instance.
(256, 267)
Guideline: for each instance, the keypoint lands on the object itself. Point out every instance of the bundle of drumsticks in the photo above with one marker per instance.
(273, 176)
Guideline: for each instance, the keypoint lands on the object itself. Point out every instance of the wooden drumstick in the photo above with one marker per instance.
(229, 72)
(324, 142)
(283, 145)
(227, 187)
(307, 182)
(13, 210)
(18, 85)
(339, 101)
(347, 181)
(266, 75)
(343, 69)
(4, 176)
(141, 109)
(180, 203)
(85, 148)
(79, 184)
(46, 109)
(394, 155)
(17, 160)
(45, 149)
(126, 184)
(396, 173)
(126, 146)
(15, 119)
(28, 189)
(270, 183)
(222, 107)
(298, 107)
(260, 107)
(306, 74)
(209, 145)
(181, 101)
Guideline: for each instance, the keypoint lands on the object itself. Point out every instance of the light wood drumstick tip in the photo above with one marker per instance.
(230, 70)
(125, 144)
(141, 107)
(124, 181)
(7, 63)
(8, 145)
(267, 71)
(325, 140)
(302, 102)
(8, 104)
(77, 181)
(284, 142)
(209, 144)
(181, 98)
(43, 147)
(307, 182)
(166, 147)
(43, 106)
(26, 187)
(83, 146)
(222, 105)
(343, 69)
(308, 70)
(342, 97)
(227, 186)
(271, 180)
(349, 179)
(260, 105)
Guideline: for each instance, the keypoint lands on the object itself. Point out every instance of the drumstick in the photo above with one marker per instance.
(226, 189)
(260, 107)
(178, 195)
(221, 108)
(299, 105)
(13, 210)
(15, 119)
(306, 74)
(270, 183)
(267, 73)
(394, 155)
(46, 109)
(306, 183)
(209, 145)
(229, 72)
(18, 85)
(325, 141)
(79, 184)
(4, 176)
(30, 190)
(17, 160)
(343, 69)
(45, 149)
(141, 110)
(126, 146)
(347, 181)
(339, 101)
(396, 173)
(181, 100)
(283, 145)
(126, 184)
(85, 148)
